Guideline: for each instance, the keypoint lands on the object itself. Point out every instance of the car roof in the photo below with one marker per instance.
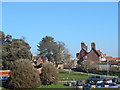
(113, 83)
(98, 75)
(4, 76)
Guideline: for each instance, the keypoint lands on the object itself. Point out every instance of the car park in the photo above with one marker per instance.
(100, 84)
(113, 85)
(87, 86)
(79, 83)
(107, 81)
(116, 79)
(93, 79)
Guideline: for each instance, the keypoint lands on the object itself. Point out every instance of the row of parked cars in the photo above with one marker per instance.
(98, 81)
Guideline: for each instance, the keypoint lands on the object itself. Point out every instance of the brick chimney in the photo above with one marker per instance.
(93, 45)
(83, 45)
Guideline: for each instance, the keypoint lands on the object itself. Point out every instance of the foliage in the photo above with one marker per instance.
(13, 49)
(86, 66)
(49, 74)
(23, 75)
(17, 49)
(113, 68)
(2, 36)
(55, 52)
(69, 64)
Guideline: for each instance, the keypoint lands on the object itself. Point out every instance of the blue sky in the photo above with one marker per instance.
(70, 22)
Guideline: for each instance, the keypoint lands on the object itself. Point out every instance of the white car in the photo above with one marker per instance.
(100, 81)
(107, 81)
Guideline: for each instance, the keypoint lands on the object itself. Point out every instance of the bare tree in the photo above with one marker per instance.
(86, 66)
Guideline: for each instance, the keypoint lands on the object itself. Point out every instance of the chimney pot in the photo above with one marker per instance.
(83, 45)
(93, 45)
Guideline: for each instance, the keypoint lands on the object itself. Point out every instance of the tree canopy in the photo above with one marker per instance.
(13, 49)
(22, 76)
(52, 50)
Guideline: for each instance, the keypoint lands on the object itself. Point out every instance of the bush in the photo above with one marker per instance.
(23, 75)
(49, 74)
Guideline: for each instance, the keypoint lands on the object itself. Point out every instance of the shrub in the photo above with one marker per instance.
(49, 74)
(23, 75)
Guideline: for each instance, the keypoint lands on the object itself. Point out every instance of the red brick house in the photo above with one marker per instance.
(82, 53)
(94, 56)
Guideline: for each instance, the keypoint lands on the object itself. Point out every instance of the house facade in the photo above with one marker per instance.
(94, 56)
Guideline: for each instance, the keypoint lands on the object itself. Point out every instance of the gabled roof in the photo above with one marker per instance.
(99, 52)
(94, 51)
(84, 50)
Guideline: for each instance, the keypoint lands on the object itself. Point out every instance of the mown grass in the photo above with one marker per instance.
(66, 75)
(58, 85)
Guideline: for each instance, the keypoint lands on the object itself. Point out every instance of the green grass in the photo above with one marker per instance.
(58, 85)
(66, 75)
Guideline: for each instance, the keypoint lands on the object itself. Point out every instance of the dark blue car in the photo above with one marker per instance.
(99, 85)
(87, 86)
(113, 84)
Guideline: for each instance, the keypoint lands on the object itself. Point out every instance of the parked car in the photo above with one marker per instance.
(79, 83)
(100, 84)
(93, 79)
(87, 86)
(70, 83)
(117, 80)
(3, 78)
(113, 84)
(107, 81)
(101, 81)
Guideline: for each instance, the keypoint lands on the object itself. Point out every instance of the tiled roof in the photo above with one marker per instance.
(4, 72)
(112, 58)
(99, 52)
(112, 63)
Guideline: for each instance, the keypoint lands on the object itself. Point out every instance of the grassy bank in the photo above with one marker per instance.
(58, 85)
(66, 75)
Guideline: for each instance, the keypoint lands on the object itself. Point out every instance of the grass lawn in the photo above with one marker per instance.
(58, 85)
(66, 75)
